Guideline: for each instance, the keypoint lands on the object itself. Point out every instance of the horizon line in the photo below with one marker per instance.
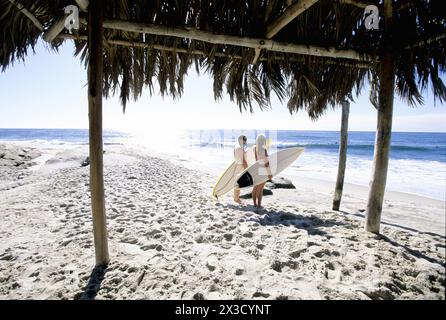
(185, 129)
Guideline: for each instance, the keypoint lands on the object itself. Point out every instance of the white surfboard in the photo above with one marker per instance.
(258, 173)
(228, 178)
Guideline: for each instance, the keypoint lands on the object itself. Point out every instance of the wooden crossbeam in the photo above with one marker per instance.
(82, 4)
(145, 45)
(363, 4)
(356, 3)
(54, 30)
(255, 43)
(427, 41)
(353, 64)
(289, 15)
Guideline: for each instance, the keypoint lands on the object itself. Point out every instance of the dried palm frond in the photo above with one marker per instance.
(305, 82)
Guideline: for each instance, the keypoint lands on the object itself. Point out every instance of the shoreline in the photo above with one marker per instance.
(216, 169)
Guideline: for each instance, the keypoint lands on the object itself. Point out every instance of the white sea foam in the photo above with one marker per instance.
(421, 177)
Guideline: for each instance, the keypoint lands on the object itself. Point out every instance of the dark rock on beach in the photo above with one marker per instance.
(280, 183)
(86, 162)
(275, 183)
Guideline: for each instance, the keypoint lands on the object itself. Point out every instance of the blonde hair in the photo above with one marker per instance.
(260, 144)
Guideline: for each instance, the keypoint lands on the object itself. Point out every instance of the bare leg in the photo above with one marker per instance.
(260, 195)
(257, 196)
(237, 195)
(254, 195)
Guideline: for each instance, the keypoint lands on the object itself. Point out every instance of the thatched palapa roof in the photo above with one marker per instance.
(310, 53)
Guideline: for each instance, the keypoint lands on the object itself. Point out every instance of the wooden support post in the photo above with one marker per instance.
(342, 156)
(95, 78)
(384, 129)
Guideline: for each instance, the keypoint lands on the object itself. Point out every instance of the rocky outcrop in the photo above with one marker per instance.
(16, 156)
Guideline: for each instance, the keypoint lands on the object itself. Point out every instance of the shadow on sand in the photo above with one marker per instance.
(413, 252)
(311, 224)
(398, 226)
(94, 284)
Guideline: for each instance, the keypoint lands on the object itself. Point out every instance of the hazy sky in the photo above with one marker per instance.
(49, 91)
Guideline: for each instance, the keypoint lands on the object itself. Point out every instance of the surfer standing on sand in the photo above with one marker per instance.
(261, 155)
(240, 161)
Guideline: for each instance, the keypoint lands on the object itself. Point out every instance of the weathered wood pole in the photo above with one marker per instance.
(95, 78)
(342, 156)
(384, 129)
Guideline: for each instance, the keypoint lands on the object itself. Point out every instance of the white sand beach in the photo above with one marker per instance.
(169, 240)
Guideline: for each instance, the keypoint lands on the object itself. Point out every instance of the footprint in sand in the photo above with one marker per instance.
(333, 270)
(297, 253)
(248, 234)
(7, 256)
(228, 236)
(175, 233)
(129, 240)
(322, 253)
(277, 266)
(200, 238)
(259, 294)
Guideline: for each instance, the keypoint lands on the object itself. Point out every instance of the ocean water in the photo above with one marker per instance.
(58, 137)
(417, 161)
